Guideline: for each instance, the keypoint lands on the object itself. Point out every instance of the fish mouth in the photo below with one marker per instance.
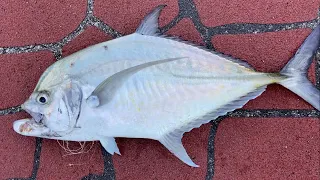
(37, 117)
(31, 126)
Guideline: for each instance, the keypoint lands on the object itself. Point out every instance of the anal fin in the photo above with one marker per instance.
(172, 142)
(110, 145)
(236, 104)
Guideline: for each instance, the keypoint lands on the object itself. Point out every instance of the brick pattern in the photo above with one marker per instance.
(213, 28)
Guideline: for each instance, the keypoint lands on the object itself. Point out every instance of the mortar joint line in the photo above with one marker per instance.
(90, 7)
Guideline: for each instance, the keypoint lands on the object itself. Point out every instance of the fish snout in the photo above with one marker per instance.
(23, 106)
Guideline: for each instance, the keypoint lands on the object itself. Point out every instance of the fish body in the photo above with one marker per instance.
(161, 89)
(146, 85)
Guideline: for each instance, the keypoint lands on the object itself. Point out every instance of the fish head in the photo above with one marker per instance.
(54, 111)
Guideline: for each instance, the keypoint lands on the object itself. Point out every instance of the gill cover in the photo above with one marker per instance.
(66, 110)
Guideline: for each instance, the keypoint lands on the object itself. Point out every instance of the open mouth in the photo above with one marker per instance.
(34, 126)
(31, 126)
(37, 117)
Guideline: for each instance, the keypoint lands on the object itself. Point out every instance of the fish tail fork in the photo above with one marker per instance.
(296, 70)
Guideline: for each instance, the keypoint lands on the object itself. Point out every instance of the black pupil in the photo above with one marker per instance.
(42, 99)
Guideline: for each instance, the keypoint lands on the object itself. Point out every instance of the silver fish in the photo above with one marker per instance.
(148, 85)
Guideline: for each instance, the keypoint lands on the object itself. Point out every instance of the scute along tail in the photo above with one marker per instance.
(297, 70)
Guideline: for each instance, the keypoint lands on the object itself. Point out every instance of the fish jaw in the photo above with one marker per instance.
(28, 127)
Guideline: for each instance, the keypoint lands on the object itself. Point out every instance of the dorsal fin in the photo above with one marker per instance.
(228, 57)
(150, 25)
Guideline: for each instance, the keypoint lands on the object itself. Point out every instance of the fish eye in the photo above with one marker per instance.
(43, 98)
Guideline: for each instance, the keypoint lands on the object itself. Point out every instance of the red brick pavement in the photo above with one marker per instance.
(253, 148)
(32, 21)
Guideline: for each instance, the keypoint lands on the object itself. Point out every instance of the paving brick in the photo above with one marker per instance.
(125, 15)
(90, 36)
(220, 12)
(185, 30)
(32, 21)
(148, 159)
(274, 148)
(267, 52)
(54, 165)
(19, 75)
(16, 152)
(246, 148)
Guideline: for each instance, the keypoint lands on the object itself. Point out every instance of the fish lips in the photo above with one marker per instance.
(31, 127)
(28, 127)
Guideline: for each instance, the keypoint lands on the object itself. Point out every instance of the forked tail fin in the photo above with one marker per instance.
(297, 70)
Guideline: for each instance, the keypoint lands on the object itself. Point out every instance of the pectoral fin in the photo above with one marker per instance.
(108, 88)
(110, 145)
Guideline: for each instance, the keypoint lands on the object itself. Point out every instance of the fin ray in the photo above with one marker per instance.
(302, 59)
(296, 70)
(172, 140)
(227, 57)
(225, 109)
(110, 145)
(150, 25)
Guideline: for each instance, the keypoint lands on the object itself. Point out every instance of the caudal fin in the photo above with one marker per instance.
(297, 70)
